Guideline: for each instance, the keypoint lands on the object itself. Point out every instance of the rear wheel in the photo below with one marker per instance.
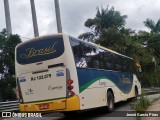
(110, 101)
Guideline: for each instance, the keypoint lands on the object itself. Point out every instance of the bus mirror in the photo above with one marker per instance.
(138, 68)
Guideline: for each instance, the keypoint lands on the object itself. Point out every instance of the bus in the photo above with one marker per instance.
(65, 74)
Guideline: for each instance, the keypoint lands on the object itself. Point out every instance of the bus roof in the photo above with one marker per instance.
(111, 51)
(57, 34)
(40, 37)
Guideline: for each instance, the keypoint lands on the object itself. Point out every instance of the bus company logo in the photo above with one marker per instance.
(59, 73)
(126, 80)
(6, 114)
(54, 88)
(22, 79)
(29, 92)
(33, 52)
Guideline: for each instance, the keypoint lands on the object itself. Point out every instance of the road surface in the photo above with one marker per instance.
(96, 114)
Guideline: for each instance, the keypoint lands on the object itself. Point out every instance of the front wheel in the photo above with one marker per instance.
(136, 93)
(110, 101)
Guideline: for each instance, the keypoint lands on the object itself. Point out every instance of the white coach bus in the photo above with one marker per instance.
(61, 73)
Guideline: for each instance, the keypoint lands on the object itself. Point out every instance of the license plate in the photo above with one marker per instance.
(44, 106)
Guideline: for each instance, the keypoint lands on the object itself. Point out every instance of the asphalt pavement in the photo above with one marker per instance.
(97, 114)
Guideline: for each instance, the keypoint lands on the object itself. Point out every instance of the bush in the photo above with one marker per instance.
(141, 104)
(6, 89)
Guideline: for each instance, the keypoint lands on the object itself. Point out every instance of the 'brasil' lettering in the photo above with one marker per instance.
(32, 52)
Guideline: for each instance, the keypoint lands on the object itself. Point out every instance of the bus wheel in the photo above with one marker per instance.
(110, 101)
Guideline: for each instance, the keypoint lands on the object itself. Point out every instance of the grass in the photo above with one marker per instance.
(140, 105)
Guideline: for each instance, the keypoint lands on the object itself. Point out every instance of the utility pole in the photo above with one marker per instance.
(58, 16)
(7, 16)
(34, 18)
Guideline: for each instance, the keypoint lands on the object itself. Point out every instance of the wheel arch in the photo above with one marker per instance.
(135, 88)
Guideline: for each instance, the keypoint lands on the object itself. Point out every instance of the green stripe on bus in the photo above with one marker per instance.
(94, 80)
(90, 83)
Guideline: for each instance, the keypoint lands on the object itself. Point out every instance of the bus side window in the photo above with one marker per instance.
(79, 58)
(117, 67)
(102, 59)
(107, 61)
(87, 53)
(108, 66)
(96, 64)
(92, 57)
(124, 68)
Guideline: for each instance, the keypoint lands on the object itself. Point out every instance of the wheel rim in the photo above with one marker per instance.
(110, 101)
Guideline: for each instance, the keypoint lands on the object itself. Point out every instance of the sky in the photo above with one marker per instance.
(74, 13)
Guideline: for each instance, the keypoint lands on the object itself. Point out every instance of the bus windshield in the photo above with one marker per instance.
(42, 49)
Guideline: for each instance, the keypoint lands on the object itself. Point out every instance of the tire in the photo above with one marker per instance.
(110, 101)
(136, 93)
(134, 98)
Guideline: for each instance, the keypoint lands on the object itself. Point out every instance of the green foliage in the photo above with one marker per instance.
(104, 19)
(7, 47)
(7, 65)
(154, 27)
(108, 30)
(7, 91)
(88, 36)
(154, 44)
(141, 104)
(115, 39)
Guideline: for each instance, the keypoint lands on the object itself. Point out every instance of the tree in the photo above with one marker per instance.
(7, 64)
(154, 27)
(108, 30)
(118, 40)
(7, 55)
(104, 19)
(154, 44)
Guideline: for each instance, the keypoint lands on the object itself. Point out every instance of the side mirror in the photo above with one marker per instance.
(138, 68)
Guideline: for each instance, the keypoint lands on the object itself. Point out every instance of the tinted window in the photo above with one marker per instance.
(79, 56)
(40, 50)
(90, 56)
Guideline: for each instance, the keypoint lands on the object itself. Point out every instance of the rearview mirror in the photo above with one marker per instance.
(138, 68)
